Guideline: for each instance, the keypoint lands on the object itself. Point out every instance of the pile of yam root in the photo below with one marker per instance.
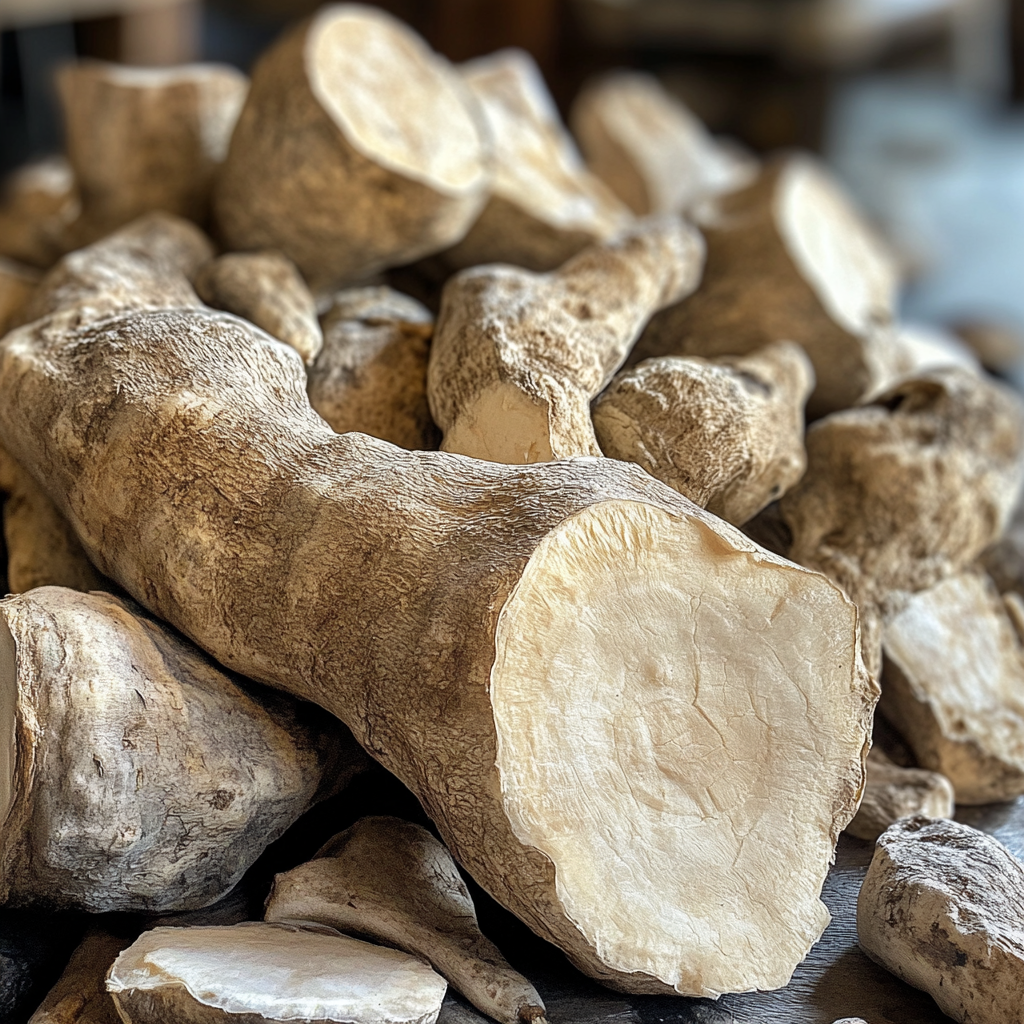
(587, 483)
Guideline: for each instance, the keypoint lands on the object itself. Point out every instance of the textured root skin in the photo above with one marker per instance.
(380, 598)
(161, 794)
(391, 881)
(17, 286)
(38, 209)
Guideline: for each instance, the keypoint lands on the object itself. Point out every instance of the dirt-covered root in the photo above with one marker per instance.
(728, 433)
(134, 773)
(267, 972)
(371, 375)
(393, 882)
(517, 357)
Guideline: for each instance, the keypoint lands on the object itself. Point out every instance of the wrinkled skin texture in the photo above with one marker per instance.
(267, 289)
(392, 882)
(517, 357)
(372, 373)
(379, 584)
(159, 792)
(726, 433)
(941, 907)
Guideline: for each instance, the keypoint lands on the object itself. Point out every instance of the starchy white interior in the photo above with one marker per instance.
(676, 713)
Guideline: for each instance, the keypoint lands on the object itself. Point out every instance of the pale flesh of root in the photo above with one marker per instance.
(391, 881)
(726, 433)
(351, 55)
(893, 792)
(942, 907)
(649, 148)
(8, 720)
(272, 972)
(954, 687)
(611, 707)
(545, 205)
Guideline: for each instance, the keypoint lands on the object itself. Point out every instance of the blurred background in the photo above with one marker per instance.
(917, 104)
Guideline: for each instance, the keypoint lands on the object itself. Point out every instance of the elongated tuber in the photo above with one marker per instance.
(264, 972)
(954, 687)
(517, 357)
(941, 907)
(393, 882)
(649, 149)
(358, 149)
(134, 773)
(267, 289)
(700, 703)
(893, 792)
(728, 433)
(144, 139)
(544, 206)
(372, 372)
(788, 257)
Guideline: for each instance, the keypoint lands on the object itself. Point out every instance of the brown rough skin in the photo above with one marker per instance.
(158, 792)
(392, 882)
(17, 284)
(909, 489)
(343, 200)
(42, 548)
(267, 289)
(758, 288)
(39, 208)
(728, 433)
(371, 375)
(393, 588)
(517, 357)
(80, 995)
(144, 139)
(941, 907)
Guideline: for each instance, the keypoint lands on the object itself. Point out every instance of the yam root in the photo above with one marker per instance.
(266, 972)
(941, 907)
(80, 995)
(358, 149)
(908, 490)
(953, 685)
(544, 206)
(789, 258)
(893, 792)
(145, 139)
(728, 433)
(38, 212)
(17, 285)
(156, 790)
(649, 149)
(401, 589)
(267, 289)
(392, 882)
(517, 357)
(372, 372)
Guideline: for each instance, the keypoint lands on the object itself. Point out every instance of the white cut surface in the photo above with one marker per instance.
(377, 80)
(833, 249)
(282, 974)
(8, 706)
(679, 770)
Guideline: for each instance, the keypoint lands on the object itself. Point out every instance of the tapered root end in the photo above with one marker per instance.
(532, 1015)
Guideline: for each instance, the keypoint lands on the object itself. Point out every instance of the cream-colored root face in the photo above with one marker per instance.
(669, 735)
(524, 435)
(370, 73)
(282, 974)
(851, 274)
(8, 706)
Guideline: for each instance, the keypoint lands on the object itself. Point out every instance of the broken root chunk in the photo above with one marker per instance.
(393, 882)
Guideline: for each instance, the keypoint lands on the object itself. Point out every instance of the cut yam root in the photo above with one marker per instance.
(460, 616)
(517, 357)
(268, 972)
(953, 685)
(393, 882)
(727, 433)
(789, 258)
(134, 774)
(371, 375)
(358, 149)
